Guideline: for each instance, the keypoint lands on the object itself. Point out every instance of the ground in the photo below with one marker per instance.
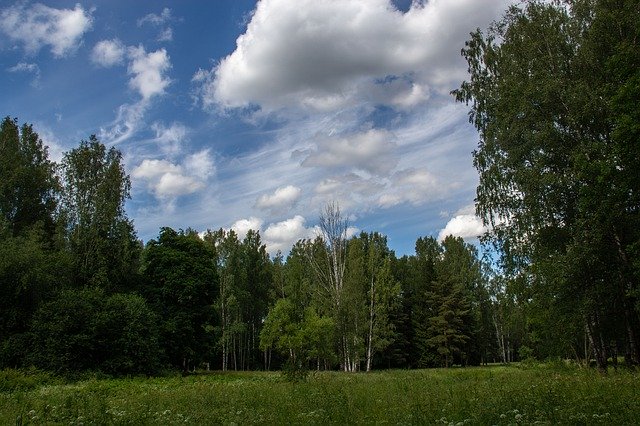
(530, 394)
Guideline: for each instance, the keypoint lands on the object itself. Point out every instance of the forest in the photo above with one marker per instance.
(553, 91)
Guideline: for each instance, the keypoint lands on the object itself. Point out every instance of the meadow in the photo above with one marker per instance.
(496, 395)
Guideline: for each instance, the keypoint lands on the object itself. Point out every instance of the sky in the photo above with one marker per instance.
(243, 114)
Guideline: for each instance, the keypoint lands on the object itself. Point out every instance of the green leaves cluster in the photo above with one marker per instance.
(553, 91)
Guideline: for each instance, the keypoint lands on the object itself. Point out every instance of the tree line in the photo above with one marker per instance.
(553, 90)
(80, 292)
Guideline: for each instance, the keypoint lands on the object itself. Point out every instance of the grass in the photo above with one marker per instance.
(491, 395)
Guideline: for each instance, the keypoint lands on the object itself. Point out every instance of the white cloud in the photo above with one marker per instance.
(107, 53)
(176, 184)
(163, 18)
(151, 169)
(467, 226)
(371, 151)
(128, 121)
(148, 71)
(28, 68)
(38, 25)
(170, 139)
(55, 148)
(242, 226)
(283, 198)
(414, 186)
(152, 18)
(166, 35)
(200, 164)
(168, 180)
(149, 80)
(324, 55)
(283, 235)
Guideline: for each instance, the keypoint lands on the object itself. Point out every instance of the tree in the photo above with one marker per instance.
(374, 292)
(28, 185)
(299, 337)
(87, 330)
(32, 266)
(102, 240)
(552, 89)
(31, 273)
(181, 285)
(328, 257)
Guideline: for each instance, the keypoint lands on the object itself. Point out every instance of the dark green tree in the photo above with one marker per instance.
(32, 266)
(181, 285)
(88, 330)
(28, 185)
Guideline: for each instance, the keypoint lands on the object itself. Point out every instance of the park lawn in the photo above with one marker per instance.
(501, 395)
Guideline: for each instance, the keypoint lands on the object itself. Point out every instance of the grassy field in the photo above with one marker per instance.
(489, 395)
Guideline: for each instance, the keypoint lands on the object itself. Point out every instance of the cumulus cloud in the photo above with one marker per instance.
(148, 70)
(283, 198)
(107, 53)
(168, 180)
(467, 226)
(242, 226)
(324, 55)
(371, 151)
(38, 25)
(283, 235)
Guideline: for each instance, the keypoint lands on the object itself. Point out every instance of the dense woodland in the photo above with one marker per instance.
(554, 90)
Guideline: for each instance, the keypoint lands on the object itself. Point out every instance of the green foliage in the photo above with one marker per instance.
(28, 186)
(12, 380)
(181, 284)
(30, 273)
(86, 330)
(101, 238)
(538, 394)
(551, 88)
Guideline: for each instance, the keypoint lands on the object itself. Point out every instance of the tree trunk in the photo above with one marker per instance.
(596, 342)
(370, 338)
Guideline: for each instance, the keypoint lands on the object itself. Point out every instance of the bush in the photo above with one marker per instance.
(85, 330)
(295, 371)
(12, 380)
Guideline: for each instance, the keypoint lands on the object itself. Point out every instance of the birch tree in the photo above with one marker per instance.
(553, 91)
(328, 256)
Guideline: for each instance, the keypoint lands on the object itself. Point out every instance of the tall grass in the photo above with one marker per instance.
(491, 395)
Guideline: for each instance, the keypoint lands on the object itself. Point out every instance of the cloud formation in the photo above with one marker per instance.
(464, 224)
(148, 71)
(170, 139)
(242, 226)
(28, 68)
(38, 25)
(168, 181)
(371, 151)
(107, 53)
(283, 235)
(282, 198)
(149, 79)
(414, 186)
(323, 56)
(162, 19)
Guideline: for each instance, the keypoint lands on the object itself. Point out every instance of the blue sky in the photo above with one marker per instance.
(255, 114)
